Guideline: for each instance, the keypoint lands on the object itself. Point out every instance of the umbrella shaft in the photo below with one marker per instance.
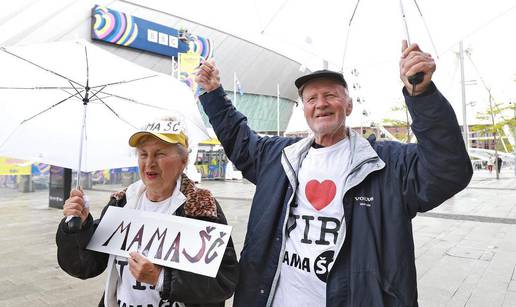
(83, 129)
(407, 36)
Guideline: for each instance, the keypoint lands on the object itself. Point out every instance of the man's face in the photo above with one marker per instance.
(326, 104)
(160, 165)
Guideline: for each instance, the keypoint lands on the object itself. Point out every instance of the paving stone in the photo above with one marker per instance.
(512, 286)
(448, 274)
(9, 290)
(510, 300)
(486, 297)
(465, 252)
(433, 297)
(24, 302)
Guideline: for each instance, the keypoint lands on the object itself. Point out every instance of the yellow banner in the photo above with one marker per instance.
(188, 62)
(10, 166)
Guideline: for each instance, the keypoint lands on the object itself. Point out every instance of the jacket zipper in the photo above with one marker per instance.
(282, 251)
(341, 242)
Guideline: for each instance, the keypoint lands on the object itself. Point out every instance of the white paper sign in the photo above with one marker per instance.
(177, 242)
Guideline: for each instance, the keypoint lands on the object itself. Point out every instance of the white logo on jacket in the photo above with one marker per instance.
(365, 201)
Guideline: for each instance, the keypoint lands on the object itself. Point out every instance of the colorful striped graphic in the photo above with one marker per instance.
(201, 46)
(40, 169)
(119, 28)
(114, 27)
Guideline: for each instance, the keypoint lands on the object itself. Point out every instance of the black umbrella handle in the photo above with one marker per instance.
(74, 224)
(416, 79)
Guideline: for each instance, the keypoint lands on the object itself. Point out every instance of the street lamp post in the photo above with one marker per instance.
(491, 111)
(494, 132)
(465, 129)
(514, 136)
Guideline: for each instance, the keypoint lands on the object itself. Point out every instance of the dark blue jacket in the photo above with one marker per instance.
(375, 264)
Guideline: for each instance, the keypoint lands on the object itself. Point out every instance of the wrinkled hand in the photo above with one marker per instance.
(412, 61)
(143, 270)
(208, 76)
(75, 205)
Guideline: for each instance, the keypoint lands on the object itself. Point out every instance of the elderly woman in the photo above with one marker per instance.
(162, 149)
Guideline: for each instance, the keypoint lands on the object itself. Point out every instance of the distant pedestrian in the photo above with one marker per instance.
(499, 162)
(490, 164)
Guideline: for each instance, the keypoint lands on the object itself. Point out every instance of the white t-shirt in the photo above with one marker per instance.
(315, 222)
(129, 291)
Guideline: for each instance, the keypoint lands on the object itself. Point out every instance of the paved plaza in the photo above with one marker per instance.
(465, 249)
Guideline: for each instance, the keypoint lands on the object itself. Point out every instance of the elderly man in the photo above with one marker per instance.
(162, 149)
(330, 223)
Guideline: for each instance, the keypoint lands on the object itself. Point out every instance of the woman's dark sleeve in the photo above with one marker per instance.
(72, 255)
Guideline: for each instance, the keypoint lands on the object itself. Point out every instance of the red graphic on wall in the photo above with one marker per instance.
(320, 194)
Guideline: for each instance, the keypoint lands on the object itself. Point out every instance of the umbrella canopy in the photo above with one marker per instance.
(43, 89)
(310, 32)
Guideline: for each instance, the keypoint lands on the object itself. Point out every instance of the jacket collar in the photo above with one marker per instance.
(136, 190)
(361, 150)
(292, 157)
(198, 203)
(364, 158)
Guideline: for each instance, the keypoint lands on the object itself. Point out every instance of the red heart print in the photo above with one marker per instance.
(320, 194)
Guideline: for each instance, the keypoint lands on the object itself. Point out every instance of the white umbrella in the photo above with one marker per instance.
(43, 88)
(309, 32)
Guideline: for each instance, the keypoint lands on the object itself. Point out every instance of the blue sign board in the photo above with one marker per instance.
(121, 29)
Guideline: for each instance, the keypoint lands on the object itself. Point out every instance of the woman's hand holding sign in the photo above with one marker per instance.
(143, 270)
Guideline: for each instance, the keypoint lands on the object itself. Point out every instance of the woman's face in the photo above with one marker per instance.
(160, 165)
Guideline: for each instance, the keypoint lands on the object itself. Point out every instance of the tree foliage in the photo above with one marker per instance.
(494, 118)
(400, 109)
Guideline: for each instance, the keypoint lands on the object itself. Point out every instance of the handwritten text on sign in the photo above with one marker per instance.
(177, 242)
